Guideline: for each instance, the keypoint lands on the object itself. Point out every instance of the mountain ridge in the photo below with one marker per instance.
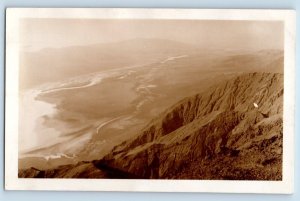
(235, 113)
(218, 134)
(72, 61)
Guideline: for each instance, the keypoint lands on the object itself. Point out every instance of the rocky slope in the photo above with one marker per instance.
(230, 131)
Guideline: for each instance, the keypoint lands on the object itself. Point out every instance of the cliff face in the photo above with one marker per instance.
(231, 131)
(218, 134)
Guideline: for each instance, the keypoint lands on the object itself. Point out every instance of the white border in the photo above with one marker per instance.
(12, 182)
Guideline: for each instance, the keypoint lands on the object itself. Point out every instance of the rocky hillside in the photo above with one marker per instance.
(230, 131)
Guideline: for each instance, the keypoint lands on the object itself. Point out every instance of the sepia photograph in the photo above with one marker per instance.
(143, 98)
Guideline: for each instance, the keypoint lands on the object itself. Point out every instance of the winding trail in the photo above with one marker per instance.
(173, 58)
(91, 83)
(107, 122)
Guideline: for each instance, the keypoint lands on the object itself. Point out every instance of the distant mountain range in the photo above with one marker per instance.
(232, 130)
(56, 64)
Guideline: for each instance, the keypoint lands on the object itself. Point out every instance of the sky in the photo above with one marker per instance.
(36, 34)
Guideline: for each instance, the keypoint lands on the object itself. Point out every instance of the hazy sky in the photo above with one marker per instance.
(36, 34)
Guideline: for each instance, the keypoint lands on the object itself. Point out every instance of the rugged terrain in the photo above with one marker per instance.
(232, 130)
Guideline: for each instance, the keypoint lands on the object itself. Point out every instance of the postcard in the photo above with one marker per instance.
(158, 100)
